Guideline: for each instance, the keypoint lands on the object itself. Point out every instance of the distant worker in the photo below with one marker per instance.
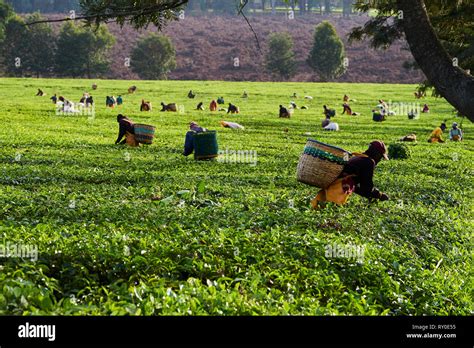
(127, 130)
(326, 122)
(189, 140)
(455, 134)
(347, 110)
(145, 105)
(420, 94)
(233, 109)
(409, 138)
(213, 106)
(110, 101)
(332, 126)
(379, 115)
(284, 112)
(232, 125)
(329, 112)
(383, 105)
(437, 135)
(169, 107)
(89, 101)
(412, 114)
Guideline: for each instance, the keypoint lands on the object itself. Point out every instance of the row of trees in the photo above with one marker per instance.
(305, 6)
(44, 6)
(222, 6)
(326, 57)
(37, 51)
(76, 51)
(81, 51)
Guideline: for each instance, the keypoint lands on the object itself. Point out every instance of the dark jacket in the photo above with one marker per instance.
(363, 169)
(125, 125)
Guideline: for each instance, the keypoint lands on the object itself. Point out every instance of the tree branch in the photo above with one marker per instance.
(127, 13)
(449, 80)
(241, 12)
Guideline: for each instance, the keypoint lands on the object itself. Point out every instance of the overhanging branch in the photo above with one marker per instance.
(244, 3)
(111, 12)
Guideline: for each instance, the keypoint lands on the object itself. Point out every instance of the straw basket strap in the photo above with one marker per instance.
(321, 164)
(317, 153)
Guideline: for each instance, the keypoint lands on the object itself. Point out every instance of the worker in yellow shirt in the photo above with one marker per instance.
(437, 135)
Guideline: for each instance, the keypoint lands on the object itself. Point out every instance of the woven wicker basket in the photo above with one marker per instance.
(205, 145)
(144, 134)
(321, 164)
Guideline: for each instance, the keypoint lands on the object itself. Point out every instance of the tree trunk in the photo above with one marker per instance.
(346, 8)
(194, 5)
(302, 4)
(327, 7)
(450, 81)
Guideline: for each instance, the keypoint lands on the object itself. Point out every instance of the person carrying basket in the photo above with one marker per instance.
(127, 130)
(357, 177)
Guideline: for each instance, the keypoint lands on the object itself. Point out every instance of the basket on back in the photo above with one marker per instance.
(144, 134)
(321, 164)
(205, 145)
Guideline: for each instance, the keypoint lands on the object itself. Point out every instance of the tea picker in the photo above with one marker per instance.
(127, 130)
(455, 134)
(437, 134)
(339, 173)
(135, 134)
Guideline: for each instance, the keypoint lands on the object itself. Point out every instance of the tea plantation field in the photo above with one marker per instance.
(226, 238)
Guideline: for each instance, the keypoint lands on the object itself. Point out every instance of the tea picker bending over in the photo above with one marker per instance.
(189, 140)
(455, 134)
(437, 135)
(127, 130)
(356, 177)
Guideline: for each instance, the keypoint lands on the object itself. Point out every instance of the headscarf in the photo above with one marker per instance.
(377, 148)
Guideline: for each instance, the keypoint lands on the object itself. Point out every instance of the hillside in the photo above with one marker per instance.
(206, 46)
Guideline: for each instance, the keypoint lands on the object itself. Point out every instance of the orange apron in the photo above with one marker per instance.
(130, 140)
(338, 192)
